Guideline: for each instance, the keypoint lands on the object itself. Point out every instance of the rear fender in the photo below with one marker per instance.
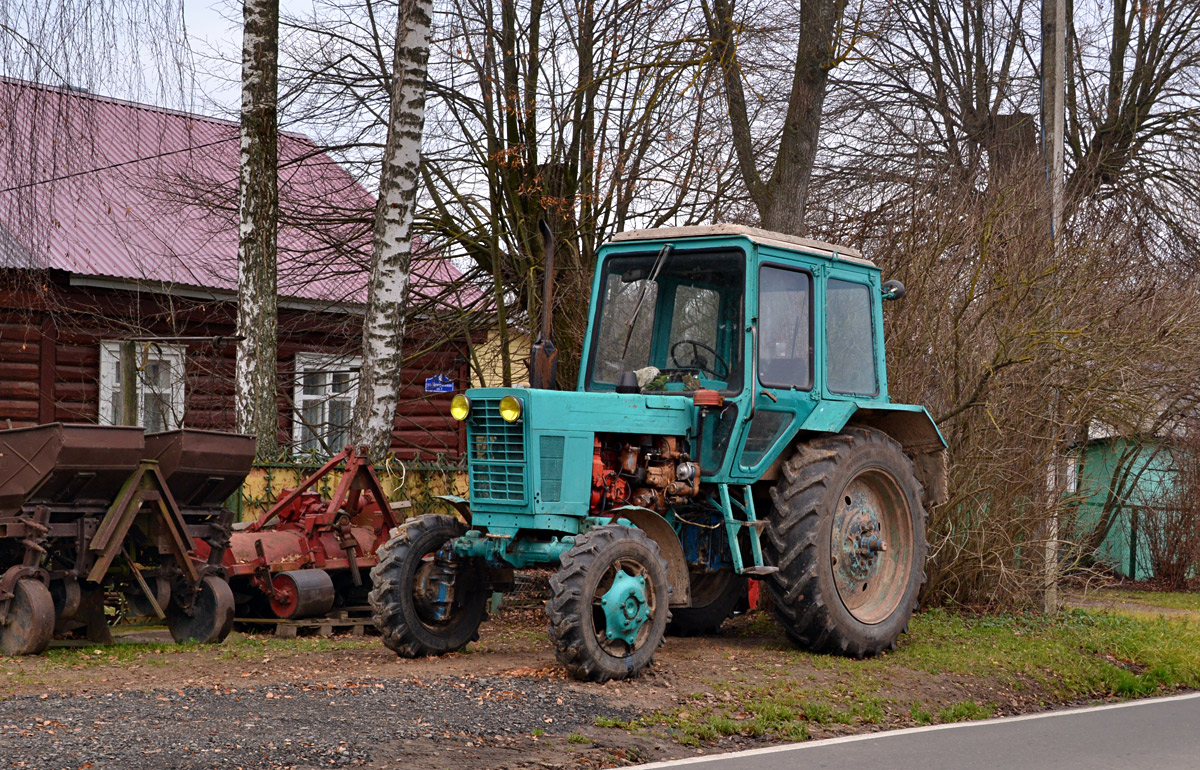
(922, 442)
(911, 426)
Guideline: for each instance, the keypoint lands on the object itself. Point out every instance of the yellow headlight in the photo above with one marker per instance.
(510, 408)
(460, 407)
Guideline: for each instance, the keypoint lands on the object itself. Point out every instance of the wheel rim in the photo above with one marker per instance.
(871, 546)
(622, 605)
(432, 609)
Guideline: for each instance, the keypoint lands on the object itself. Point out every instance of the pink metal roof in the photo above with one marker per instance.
(106, 188)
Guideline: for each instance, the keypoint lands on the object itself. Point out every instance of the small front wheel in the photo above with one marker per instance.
(209, 617)
(408, 602)
(29, 624)
(608, 604)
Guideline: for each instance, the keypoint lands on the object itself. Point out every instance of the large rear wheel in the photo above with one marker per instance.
(608, 604)
(410, 609)
(846, 529)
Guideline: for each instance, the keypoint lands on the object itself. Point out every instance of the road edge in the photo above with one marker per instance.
(687, 761)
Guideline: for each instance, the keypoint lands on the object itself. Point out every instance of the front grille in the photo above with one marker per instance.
(496, 454)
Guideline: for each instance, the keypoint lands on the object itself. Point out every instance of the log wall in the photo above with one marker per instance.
(50, 336)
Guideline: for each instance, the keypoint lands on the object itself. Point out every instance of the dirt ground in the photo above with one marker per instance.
(556, 726)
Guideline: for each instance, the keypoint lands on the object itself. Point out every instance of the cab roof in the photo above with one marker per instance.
(764, 237)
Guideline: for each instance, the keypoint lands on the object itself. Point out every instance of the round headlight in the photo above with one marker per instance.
(460, 407)
(510, 408)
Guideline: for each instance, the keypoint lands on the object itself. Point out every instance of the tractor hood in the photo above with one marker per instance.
(540, 464)
(562, 410)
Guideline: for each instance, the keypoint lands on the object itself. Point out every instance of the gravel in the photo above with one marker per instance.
(282, 726)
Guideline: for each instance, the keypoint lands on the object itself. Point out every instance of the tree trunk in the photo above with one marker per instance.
(258, 217)
(391, 252)
(782, 197)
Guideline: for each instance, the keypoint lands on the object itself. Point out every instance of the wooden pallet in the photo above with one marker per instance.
(347, 620)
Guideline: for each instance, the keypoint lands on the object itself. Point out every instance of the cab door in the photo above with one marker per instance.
(852, 331)
(784, 377)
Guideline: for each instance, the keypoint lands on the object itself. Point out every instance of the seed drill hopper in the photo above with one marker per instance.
(87, 510)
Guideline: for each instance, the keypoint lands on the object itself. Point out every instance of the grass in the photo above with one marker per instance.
(1164, 599)
(236, 647)
(964, 711)
(1077, 655)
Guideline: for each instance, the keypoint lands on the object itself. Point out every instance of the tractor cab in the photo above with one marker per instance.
(787, 330)
(674, 318)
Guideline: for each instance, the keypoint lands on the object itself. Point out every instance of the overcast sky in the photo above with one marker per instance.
(179, 53)
(214, 29)
(213, 36)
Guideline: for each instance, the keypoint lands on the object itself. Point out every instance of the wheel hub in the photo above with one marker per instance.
(861, 540)
(625, 608)
(871, 545)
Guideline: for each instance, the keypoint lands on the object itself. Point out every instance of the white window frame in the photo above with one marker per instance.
(306, 363)
(110, 380)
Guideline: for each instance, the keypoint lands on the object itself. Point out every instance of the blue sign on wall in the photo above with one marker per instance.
(439, 383)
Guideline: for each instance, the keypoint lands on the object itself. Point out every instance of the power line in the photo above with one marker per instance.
(117, 165)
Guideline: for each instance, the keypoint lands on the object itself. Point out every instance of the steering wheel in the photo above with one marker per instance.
(698, 362)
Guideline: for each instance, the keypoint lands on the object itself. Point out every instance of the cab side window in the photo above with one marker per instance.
(785, 328)
(849, 339)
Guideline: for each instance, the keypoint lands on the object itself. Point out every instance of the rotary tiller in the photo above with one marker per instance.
(306, 553)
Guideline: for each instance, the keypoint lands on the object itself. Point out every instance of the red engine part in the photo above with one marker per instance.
(608, 488)
(304, 533)
(649, 471)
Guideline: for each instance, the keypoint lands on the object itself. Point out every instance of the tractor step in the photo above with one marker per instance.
(757, 524)
(759, 571)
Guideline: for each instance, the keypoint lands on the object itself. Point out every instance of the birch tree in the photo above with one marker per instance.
(258, 212)
(391, 251)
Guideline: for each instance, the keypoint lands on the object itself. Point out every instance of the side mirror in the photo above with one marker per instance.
(893, 289)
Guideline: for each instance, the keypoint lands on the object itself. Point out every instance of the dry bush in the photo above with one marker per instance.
(1170, 523)
(1015, 349)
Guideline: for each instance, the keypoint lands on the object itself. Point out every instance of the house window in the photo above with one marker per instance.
(325, 389)
(160, 380)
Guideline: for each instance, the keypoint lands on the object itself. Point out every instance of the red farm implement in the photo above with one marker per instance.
(306, 553)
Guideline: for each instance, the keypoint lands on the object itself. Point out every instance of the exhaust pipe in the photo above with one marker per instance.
(543, 356)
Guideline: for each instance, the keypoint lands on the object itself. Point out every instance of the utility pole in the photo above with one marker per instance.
(1054, 113)
(1054, 116)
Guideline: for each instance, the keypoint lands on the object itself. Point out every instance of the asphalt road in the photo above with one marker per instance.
(1138, 735)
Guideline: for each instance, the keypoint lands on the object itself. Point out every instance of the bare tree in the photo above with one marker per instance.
(258, 228)
(781, 193)
(596, 117)
(391, 251)
(1170, 522)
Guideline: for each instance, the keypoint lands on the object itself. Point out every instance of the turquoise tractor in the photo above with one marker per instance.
(731, 420)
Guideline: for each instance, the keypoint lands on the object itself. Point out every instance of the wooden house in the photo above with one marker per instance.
(118, 223)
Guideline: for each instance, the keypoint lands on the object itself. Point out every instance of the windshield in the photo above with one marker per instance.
(677, 330)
